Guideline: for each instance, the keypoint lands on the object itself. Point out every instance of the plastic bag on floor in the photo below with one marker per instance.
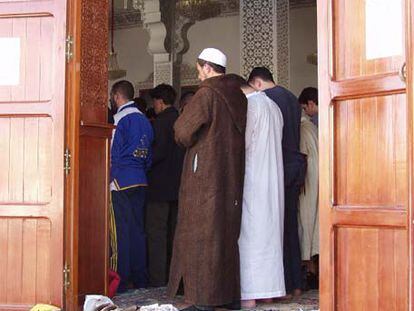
(157, 307)
(98, 303)
(43, 307)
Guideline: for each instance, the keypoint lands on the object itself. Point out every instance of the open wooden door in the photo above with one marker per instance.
(87, 139)
(366, 137)
(32, 106)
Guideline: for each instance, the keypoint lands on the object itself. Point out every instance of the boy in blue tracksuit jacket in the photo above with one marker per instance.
(130, 161)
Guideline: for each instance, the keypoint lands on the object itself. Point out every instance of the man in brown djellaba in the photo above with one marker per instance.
(212, 128)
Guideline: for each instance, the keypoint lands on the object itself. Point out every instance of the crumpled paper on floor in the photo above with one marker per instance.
(98, 303)
(157, 307)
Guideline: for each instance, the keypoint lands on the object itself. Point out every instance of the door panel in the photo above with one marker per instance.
(370, 151)
(355, 48)
(93, 213)
(31, 157)
(27, 179)
(364, 151)
(36, 40)
(376, 278)
(30, 252)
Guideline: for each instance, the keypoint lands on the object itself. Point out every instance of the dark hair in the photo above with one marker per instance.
(141, 104)
(262, 73)
(237, 80)
(309, 93)
(124, 88)
(186, 95)
(216, 68)
(185, 98)
(165, 92)
(150, 113)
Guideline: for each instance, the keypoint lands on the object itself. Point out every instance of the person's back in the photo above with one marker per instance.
(130, 151)
(227, 119)
(164, 182)
(165, 173)
(130, 160)
(294, 164)
(308, 200)
(167, 159)
(211, 189)
(212, 128)
(261, 235)
(291, 111)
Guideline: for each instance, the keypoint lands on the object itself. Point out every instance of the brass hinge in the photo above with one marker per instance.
(69, 48)
(66, 166)
(66, 277)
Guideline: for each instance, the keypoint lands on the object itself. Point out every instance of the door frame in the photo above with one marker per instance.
(72, 129)
(410, 115)
(87, 136)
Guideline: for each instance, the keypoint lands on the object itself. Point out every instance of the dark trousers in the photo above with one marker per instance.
(161, 218)
(291, 247)
(129, 218)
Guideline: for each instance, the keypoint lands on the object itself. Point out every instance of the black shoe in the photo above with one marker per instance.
(198, 308)
(312, 281)
(232, 306)
(121, 289)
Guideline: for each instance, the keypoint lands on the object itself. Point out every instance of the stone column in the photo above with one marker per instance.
(163, 69)
(168, 40)
(163, 66)
(264, 37)
(180, 46)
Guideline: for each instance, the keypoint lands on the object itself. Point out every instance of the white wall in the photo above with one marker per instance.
(131, 46)
(222, 33)
(303, 41)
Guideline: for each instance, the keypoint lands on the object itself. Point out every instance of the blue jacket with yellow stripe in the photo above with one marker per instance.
(130, 148)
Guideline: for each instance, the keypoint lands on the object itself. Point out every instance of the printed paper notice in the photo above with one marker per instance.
(384, 28)
(9, 61)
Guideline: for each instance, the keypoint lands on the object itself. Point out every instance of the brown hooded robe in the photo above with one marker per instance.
(206, 254)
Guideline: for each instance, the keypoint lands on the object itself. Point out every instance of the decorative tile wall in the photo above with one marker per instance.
(282, 42)
(264, 37)
(162, 73)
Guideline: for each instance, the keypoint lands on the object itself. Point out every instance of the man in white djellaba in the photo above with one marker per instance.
(261, 233)
(308, 217)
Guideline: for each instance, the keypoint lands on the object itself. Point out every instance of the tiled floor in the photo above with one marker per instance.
(129, 301)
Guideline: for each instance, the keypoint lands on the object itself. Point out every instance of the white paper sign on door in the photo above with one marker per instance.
(383, 28)
(9, 61)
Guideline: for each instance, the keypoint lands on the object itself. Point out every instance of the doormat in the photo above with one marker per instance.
(133, 299)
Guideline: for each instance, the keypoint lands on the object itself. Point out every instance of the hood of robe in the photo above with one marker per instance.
(233, 98)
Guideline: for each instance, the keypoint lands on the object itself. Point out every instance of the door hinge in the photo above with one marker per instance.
(66, 166)
(66, 277)
(69, 48)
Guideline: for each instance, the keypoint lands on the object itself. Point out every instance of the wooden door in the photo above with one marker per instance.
(88, 138)
(32, 103)
(365, 139)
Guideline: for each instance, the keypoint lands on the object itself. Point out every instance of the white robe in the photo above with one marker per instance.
(261, 235)
(308, 199)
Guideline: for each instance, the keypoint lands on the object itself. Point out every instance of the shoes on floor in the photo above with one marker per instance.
(198, 308)
(230, 306)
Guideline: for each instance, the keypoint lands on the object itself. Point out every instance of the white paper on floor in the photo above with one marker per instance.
(157, 307)
(98, 302)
